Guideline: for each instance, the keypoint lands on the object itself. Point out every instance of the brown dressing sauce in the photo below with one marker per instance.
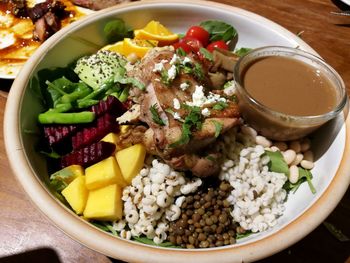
(289, 86)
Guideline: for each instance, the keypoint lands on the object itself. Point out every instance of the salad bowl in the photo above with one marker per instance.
(304, 210)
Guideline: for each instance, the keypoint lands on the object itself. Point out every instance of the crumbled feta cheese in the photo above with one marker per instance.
(186, 61)
(199, 99)
(230, 90)
(177, 116)
(164, 61)
(158, 67)
(206, 112)
(177, 105)
(184, 86)
(174, 59)
(172, 72)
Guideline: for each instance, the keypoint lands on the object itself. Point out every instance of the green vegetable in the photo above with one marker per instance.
(277, 163)
(206, 53)
(155, 115)
(123, 79)
(96, 69)
(147, 241)
(218, 128)
(180, 52)
(50, 117)
(242, 51)
(193, 120)
(117, 30)
(198, 71)
(304, 175)
(219, 30)
(243, 235)
(220, 105)
(60, 179)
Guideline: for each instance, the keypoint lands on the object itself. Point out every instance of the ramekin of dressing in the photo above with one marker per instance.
(286, 93)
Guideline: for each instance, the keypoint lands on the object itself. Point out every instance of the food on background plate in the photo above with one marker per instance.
(151, 146)
(101, 4)
(24, 25)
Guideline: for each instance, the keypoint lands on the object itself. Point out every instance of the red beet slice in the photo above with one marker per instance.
(111, 105)
(89, 155)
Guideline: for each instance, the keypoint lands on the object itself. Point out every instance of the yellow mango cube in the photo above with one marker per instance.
(131, 160)
(111, 137)
(104, 173)
(76, 194)
(124, 128)
(104, 203)
(60, 179)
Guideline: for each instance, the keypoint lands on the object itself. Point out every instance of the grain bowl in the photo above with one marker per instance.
(250, 191)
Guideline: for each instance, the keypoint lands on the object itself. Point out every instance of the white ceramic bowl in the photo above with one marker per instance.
(304, 211)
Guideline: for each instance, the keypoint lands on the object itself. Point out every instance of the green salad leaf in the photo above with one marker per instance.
(242, 51)
(219, 30)
(117, 30)
(277, 163)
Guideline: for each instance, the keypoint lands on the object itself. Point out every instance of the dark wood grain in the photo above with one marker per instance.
(23, 227)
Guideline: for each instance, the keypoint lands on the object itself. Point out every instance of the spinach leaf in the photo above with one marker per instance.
(117, 30)
(242, 51)
(147, 241)
(304, 175)
(277, 163)
(243, 235)
(219, 30)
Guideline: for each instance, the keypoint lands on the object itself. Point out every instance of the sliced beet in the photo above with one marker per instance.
(89, 155)
(111, 105)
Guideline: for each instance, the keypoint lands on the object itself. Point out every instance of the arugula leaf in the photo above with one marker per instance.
(155, 115)
(242, 51)
(192, 121)
(220, 105)
(219, 30)
(147, 241)
(277, 163)
(117, 30)
(218, 128)
(206, 53)
(303, 173)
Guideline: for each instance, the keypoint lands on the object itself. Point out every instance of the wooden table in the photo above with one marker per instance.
(23, 227)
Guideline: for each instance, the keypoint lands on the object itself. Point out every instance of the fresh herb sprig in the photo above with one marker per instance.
(155, 115)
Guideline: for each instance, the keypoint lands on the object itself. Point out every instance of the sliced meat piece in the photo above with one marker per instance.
(101, 4)
(41, 30)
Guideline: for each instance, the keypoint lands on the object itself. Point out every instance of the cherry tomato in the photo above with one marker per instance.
(198, 33)
(182, 45)
(219, 44)
(194, 43)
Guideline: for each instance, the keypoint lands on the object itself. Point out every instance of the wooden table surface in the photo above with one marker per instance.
(24, 228)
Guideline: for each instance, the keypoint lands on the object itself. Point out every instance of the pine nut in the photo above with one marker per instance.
(274, 149)
(298, 158)
(261, 140)
(247, 130)
(281, 145)
(289, 156)
(295, 145)
(307, 164)
(293, 174)
(309, 156)
(305, 145)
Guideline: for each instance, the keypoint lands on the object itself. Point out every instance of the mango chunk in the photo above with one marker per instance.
(104, 173)
(60, 179)
(76, 194)
(111, 137)
(124, 128)
(104, 203)
(131, 160)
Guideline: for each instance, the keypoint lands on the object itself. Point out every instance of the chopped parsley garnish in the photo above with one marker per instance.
(220, 105)
(198, 71)
(155, 115)
(164, 76)
(206, 53)
(218, 128)
(180, 52)
(193, 121)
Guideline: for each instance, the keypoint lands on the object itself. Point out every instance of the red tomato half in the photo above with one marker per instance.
(198, 33)
(184, 46)
(194, 43)
(219, 44)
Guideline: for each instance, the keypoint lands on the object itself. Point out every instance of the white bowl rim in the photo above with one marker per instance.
(107, 244)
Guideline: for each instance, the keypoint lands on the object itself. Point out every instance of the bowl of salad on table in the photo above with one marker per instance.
(127, 130)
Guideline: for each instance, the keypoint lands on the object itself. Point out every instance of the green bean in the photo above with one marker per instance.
(66, 118)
